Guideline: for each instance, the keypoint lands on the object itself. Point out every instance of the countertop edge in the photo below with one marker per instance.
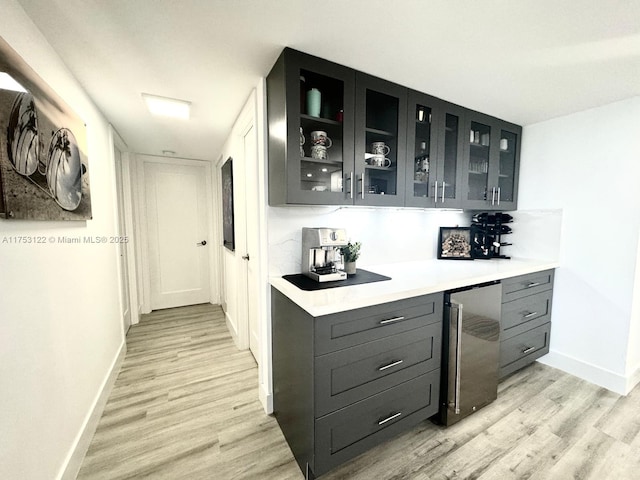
(330, 301)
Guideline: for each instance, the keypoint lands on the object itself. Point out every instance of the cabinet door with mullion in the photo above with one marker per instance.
(381, 118)
(508, 165)
(311, 117)
(424, 132)
(480, 169)
(447, 186)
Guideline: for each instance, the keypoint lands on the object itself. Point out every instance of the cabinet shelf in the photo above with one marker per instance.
(323, 162)
(326, 121)
(478, 145)
(386, 169)
(380, 132)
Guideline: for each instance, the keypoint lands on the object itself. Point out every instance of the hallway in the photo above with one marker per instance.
(185, 405)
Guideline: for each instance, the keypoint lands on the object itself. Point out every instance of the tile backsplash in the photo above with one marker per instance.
(388, 235)
(391, 235)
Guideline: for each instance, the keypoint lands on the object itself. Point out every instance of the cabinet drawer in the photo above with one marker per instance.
(523, 349)
(525, 313)
(525, 285)
(347, 376)
(354, 327)
(348, 432)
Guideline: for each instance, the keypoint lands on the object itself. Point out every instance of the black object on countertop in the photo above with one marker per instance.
(362, 276)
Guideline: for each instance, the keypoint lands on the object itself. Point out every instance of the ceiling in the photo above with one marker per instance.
(525, 61)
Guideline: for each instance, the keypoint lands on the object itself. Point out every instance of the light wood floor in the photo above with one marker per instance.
(185, 407)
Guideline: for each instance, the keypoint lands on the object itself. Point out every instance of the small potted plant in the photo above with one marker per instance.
(350, 253)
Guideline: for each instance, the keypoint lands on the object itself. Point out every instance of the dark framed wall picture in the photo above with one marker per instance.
(454, 243)
(228, 232)
(43, 148)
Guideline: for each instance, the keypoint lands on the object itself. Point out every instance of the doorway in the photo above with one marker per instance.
(177, 233)
(125, 292)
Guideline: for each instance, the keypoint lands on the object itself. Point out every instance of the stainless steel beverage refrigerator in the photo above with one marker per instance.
(471, 349)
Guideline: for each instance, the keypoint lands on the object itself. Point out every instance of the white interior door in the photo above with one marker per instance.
(122, 250)
(253, 239)
(177, 233)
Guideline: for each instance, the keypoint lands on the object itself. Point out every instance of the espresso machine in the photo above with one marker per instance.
(321, 257)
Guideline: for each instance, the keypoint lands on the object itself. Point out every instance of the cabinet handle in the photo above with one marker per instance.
(435, 186)
(389, 418)
(528, 350)
(498, 195)
(533, 284)
(392, 364)
(391, 320)
(493, 195)
(529, 315)
(362, 184)
(456, 399)
(351, 185)
(443, 187)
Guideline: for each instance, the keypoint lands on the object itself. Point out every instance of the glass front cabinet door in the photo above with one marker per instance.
(435, 149)
(311, 119)
(380, 142)
(492, 156)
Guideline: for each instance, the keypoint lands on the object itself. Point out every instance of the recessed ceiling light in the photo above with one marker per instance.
(167, 107)
(309, 174)
(7, 82)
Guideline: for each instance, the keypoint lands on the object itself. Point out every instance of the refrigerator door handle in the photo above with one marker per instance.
(458, 320)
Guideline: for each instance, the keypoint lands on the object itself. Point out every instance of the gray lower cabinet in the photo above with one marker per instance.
(526, 320)
(346, 382)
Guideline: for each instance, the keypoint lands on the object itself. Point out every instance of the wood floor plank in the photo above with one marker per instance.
(185, 406)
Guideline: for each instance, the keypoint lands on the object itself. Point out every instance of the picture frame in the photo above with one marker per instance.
(454, 243)
(43, 148)
(228, 230)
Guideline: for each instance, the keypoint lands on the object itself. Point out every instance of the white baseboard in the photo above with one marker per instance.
(232, 329)
(633, 380)
(83, 440)
(591, 373)
(266, 399)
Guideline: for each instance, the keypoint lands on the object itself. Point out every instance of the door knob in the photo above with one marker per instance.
(245, 257)
(202, 243)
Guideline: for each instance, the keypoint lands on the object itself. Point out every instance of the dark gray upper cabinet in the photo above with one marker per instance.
(491, 163)
(381, 115)
(326, 121)
(299, 173)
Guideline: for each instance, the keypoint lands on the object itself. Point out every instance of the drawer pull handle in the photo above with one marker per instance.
(529, 315)
(388, 419)
(392, 364)
(533, 284)
(391, 320)
(528, 350)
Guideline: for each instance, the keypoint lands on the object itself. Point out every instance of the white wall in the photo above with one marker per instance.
(586, 164)
(60, 331)
(633, 345)
(388, 235)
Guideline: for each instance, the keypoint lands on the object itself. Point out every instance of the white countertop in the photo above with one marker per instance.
(408, 279)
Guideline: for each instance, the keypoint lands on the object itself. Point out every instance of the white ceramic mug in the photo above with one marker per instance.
(319, 152)
(380, 148)
(379, 160)
(319, 137)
